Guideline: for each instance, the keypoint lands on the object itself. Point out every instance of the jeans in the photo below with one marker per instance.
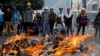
(97, 30)
(79, 28)
(51, 28)
(69, 28)
(46, 29)
(1, 27)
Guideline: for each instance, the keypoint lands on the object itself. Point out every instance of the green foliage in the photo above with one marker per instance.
(22, 4)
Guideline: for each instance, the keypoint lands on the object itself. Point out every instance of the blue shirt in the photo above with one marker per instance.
(15, 17)
(1, 18)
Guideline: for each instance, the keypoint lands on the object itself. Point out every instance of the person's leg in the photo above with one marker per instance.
(1, 27)
(96, 30)
(99, 30)
(83, 29)
(25, 26)
(44, 29)
(9, 28)
(50, 28)
(71, 30)
(18, 29)
(67, 31)
(79, 28)
(6, 28)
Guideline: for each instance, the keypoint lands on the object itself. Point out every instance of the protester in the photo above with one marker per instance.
(7, 18)
(52, 18)
(61, 15)
(97, 24)
(39, 19)
(68, 21)
(22, 20)
(45, 19)
(59, 24)
(36, 24)
(28, 18)
(82, 21)
(1, 21)
(15, 20)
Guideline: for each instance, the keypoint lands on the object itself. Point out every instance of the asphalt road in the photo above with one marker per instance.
(94, 40)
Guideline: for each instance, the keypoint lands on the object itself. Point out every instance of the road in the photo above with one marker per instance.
(95, 41)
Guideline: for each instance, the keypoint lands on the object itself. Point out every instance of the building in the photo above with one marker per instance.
(56, 4)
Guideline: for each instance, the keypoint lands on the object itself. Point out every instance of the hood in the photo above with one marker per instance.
(68, 15)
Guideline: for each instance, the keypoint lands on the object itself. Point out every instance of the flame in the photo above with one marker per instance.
(67, 45)
(34, 50)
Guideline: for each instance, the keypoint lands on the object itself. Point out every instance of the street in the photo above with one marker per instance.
(95, 41)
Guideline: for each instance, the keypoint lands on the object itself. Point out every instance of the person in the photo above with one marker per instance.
(15, 20)
(28, 19)
(7, 19)
(68, 21)
(39, 19)
(58, 26)
(52, 18)
(59, 22)
(97, 24)
(22, 20)
(45, 21)
(1, 21)
(82, 21)
(61, 15)
(36, 25)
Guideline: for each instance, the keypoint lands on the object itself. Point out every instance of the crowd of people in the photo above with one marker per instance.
(47, 22)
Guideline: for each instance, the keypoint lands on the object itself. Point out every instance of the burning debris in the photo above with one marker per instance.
(22, 45)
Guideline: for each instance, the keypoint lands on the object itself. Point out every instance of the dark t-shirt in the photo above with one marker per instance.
(7, 16)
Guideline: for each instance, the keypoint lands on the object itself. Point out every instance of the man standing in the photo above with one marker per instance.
(45, 19)
(68, 21)
(28, 19)
(52, 18)
(15, 20)
(97, 24)
(1, 21)
(7, 18)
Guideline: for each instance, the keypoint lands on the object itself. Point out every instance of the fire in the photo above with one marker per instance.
(33, 48)
(69, 44)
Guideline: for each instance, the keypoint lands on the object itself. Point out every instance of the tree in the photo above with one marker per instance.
(22, 4)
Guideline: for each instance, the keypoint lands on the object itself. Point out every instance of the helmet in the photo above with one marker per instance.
(46, 8)
(83, 9)
(51, 7)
